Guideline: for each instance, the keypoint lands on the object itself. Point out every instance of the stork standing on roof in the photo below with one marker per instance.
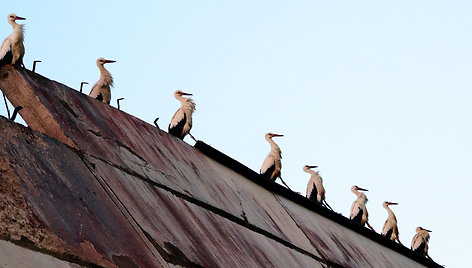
(314, 189)
(419, 244)
(101, 90)
(272, 166)
(359, 211)
(12, 49)
(181, 122)
(390, 228)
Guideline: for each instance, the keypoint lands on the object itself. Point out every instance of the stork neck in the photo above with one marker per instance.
(102, 69)
(391, 215)
(105, 77)
(309, 171)
(104, 73)
(356, 192)
(16, 27)
(273, 145)
(17, 30)
(180, 98)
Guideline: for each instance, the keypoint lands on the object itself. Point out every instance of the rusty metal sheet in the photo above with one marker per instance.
(142, 169)
(194, 234)
(348, 248)
(125, 141)
(49, 198)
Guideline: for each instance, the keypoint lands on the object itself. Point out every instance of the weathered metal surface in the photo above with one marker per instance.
(334, 241)
(50, 199)
(16, 256)
(179, 206)
(201, 234)
(125, 141)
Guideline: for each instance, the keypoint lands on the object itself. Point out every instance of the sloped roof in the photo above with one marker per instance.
(105, 188)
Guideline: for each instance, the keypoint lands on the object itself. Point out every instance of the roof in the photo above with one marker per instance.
(95, 185)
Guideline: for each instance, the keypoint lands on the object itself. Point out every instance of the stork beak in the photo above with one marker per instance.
(19, 18)
(312, 166)
(362, 189)
(277, 135)
(186, 94)
(110, 61)
(427, 230)
(392, 203)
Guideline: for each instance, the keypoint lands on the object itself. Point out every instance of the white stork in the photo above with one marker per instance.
(181, 122)
(314, 189)
(101, 89)
(272, 165)
(12, 49)
(359, 211)
(419, 244)
(390, 228)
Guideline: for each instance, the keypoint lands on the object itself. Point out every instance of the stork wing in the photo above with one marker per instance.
(6, 46)
(312, 191)
(320, 188)
(177, 123)
(6, 55)
(177, 118)
(356, 212)
(268, 166)
(388, 229)
(94, 91)
(418, 244)
(309, 189)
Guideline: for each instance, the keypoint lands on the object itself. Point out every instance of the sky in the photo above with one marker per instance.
(376, 93)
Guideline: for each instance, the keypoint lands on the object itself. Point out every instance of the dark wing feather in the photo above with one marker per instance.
(268, 172)
(421, 248)
(314, 194)
(178, 128)
(100, 97)
(389, 233)
(7, 59)
(358, 217)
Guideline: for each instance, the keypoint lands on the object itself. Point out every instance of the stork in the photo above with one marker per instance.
(390, 228)
(101, 89)
(419, 244)
(315, 190)
(181, 122)
(359, 211)
(272, 165)
(12, 49)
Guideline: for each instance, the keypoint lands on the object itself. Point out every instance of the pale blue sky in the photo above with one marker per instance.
(376, 93)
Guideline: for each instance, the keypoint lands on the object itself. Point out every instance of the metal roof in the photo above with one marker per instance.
(106, 188)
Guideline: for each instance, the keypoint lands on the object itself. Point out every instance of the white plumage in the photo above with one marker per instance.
(272, 165)
(101, 90)
(390, 228)
(12, 49)
(420, 241)
(359, 211)
(314, 189)
(181, 123)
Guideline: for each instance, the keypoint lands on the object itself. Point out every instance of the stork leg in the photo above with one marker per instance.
(155, 123)
(368, 224)
(285, 183)
(191, 136)
(429, 257)
(398, 240)
(326, 205)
